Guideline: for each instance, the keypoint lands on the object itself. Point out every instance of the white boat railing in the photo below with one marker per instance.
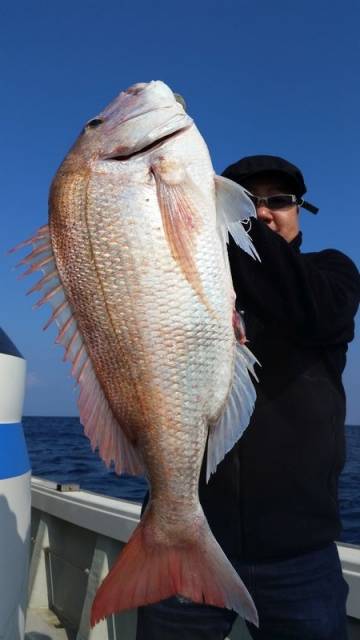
(76, 536)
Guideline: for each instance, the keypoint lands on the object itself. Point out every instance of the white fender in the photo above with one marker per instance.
(15, 496)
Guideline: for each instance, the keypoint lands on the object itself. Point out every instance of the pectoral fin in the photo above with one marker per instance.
(181, 220)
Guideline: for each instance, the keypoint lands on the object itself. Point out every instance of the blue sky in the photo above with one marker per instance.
(259, 77)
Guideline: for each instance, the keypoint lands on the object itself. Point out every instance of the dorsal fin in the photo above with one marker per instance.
(96, 415)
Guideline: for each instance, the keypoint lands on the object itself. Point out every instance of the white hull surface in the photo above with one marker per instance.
(76, 536)
(14, 539)
(15, 497)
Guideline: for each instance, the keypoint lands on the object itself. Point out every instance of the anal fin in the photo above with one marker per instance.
(236, 416)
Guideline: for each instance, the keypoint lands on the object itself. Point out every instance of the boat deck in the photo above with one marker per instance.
(76, 536)
(43, 624)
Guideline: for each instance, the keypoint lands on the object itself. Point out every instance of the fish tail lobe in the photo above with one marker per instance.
(148, 571)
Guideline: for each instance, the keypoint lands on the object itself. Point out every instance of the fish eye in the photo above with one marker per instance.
(136, 88)
(93, 123)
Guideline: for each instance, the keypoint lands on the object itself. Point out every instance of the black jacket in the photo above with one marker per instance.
(275, 494)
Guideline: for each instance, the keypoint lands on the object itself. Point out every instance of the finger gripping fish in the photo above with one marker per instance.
(134, 264)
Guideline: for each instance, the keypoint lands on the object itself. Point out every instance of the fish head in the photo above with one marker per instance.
(137, 118)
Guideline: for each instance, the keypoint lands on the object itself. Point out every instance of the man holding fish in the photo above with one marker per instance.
(135, 265)
(272, 503)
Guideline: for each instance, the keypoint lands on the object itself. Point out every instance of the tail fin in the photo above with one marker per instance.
(148, 571)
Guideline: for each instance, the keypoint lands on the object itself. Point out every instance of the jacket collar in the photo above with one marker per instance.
(296, 242)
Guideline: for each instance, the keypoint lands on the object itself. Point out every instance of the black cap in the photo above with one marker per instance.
(255, 165)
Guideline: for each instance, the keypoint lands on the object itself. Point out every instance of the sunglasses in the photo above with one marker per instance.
(275, 203)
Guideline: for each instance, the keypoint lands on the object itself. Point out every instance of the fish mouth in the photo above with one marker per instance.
(149, 147)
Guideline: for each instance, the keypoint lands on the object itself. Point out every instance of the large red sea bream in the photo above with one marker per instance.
(135, 265)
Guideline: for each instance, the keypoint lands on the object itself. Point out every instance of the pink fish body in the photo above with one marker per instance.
(135, 266)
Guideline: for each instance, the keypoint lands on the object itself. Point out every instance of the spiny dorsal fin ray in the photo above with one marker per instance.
(99, 423)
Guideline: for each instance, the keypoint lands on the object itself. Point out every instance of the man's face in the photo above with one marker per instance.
(285, 222)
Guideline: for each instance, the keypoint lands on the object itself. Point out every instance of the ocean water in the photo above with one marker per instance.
(59, 451)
